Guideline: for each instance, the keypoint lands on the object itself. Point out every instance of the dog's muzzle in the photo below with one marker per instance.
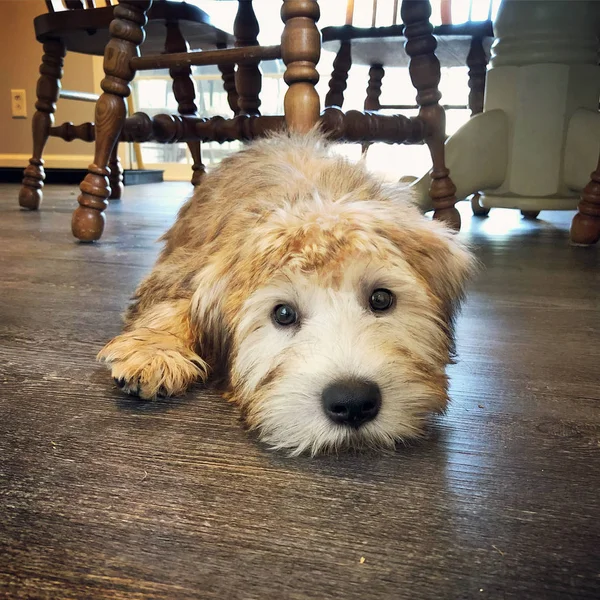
(351, 402)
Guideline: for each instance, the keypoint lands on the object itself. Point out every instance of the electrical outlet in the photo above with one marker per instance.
(18, 104)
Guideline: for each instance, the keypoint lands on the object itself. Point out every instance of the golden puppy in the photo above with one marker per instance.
(320, 298)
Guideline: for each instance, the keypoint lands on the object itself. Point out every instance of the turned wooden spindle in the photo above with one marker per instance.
(228, 78)
(248, 78)
(353, 126)
(241, 127)
(339, 76)
(127, 34)
(185, 93)
(477, 62)
(115, 177)
(376, 73)
(424, 69)
(585, 228)
(300, 51)
(356, 126)
(48, 90)
(169, 129)
(137, 128)
(70, 132)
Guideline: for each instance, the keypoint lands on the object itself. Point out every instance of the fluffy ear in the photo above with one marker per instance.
(445, 263)
(437, 256)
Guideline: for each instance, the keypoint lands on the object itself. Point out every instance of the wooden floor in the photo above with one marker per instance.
(102, 496)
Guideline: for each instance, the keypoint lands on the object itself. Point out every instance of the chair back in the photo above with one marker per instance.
(443, 8)
(59, 5)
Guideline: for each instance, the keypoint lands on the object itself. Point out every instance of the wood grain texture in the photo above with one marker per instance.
(102, 496)
(242, 55)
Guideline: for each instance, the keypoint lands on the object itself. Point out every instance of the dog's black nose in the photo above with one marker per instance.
(352, 402)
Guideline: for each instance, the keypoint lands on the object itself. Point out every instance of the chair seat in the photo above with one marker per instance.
(86, 31)
(381, 45)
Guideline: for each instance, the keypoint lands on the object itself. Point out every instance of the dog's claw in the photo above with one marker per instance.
(134, 391)
(121, 383)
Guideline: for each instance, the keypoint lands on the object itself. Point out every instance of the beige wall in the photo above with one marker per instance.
(20, 57)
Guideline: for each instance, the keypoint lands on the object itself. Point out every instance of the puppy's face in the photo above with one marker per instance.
(341, 327)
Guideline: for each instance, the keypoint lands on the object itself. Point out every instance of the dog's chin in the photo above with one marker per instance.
(319, 435)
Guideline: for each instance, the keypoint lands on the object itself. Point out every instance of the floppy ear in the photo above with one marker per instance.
(438, 257)
(445, 263)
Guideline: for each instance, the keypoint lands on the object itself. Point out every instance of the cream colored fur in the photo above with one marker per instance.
(289, 221)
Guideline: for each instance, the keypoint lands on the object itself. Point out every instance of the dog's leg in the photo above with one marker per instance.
(156, 354)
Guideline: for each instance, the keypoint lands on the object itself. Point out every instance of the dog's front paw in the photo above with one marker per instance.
(150, 364)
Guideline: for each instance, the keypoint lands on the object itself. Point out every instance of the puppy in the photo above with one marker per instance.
(319, 298)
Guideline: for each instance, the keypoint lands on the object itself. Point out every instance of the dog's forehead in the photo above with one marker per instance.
(322, 236)
(349, 264)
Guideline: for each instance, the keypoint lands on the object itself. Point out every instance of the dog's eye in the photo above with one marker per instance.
(381, 300)
(284, 314)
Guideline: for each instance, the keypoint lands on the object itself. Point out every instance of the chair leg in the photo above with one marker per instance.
(248, 79)
(477, 62)
(585, 228)
(339, 76)
(376, 74)
(115, 178)
(185, 94)
(48, 90)
(228, 78)
(372, 103)
(424, 71)
(301, 49)
(127, 33)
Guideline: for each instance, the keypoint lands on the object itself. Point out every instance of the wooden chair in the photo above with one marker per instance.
(300, 50)
(379, 47)
(82, 27)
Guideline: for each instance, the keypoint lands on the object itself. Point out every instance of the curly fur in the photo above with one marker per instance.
(287, 220)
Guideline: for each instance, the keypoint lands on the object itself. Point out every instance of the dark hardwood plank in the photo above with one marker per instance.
(102, 496)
